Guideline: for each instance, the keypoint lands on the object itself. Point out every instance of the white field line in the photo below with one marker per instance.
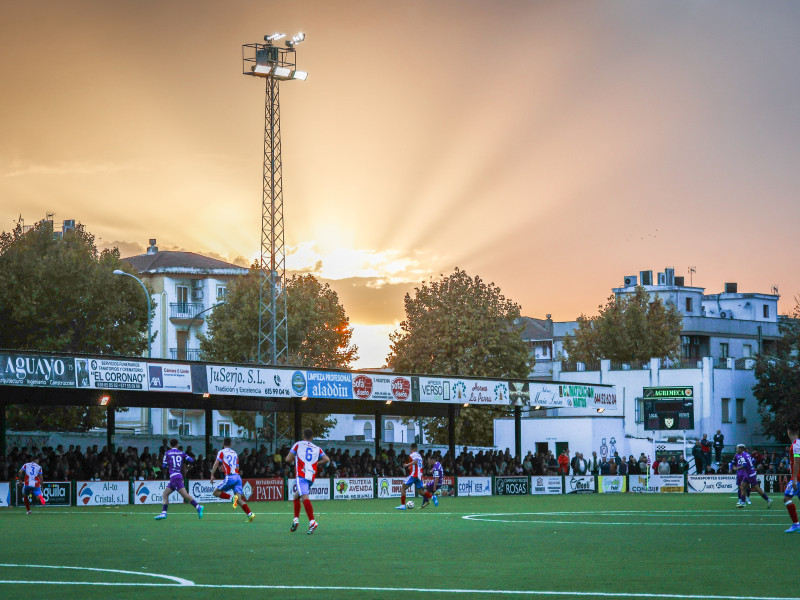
(177, 580)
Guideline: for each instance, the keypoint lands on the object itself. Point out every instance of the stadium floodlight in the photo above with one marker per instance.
(301, 75)
(206, 395)
(388, 402)
(282, 73)
(466, 404)
(104, 400)
(304, 398)
(601, 409)
(300, 37)
(261, 70)
(274, 37)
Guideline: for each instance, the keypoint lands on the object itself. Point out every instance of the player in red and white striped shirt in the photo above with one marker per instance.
(306, 456)
(793, 487)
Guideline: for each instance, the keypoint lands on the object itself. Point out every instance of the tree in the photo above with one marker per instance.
(628, 328)
(319, 335)
(777, 387)
(459, 325)
(60, 295)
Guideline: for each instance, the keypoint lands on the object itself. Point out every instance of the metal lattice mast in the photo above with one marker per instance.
(275, 64)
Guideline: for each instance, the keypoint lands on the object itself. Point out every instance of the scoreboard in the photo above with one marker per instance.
(669, 408)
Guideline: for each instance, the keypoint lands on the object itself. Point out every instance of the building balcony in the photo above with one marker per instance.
(184, 353)
(185, 310)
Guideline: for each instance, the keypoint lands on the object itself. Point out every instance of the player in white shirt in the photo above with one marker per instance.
(414, 466)
(306, 456)
(31, 476)
(228, 462)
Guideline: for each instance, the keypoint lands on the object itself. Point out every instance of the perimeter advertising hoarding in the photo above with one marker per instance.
(321, 490)
(202, 490)
(152, 492)
(612, 484)
(448, 485)
(654, 484)
(103, 493)
(716, 484)
(463, 391)
(390, 487)
(474, 486)
(5, 495)
(249, 381)
(579, 484)
(169, 378)
(56, 493)
(774, 483)
(353, 488)
(571, 395)
(511, 486)
(368, 386)
(102, 374)
(37, 371)
(322, 384)
(263, 490)
(547, 484)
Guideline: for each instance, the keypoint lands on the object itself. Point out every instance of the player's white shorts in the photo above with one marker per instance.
(411, 480)
(791, 489)
(304, 486)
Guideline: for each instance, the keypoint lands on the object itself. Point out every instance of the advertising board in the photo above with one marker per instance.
(353, 488)
(547, 484)
(5, 495)
(56, 493)
(774, 484)
(511, 486)
(263, 490)
(654, 484)
(104, 374)
(321, 490)
(474, 486)
(37, 370)
(169, 378)
(448, 487)
(152, 492)
(579, 484)
(471, 391)
(612, 484)
(369, 386)
(716, 484)
(570, 395)
(103, 493)
(248, 381)
(202, 491)
(323, 384)
(390, 487)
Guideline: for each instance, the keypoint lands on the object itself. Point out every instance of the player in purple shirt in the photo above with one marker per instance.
(437, 472)
(746, 477)
(174, 460)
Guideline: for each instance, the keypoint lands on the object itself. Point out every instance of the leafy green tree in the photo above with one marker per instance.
(628, 328)
(319, 335)
(777, 387)
(460, 325)
(60, 295)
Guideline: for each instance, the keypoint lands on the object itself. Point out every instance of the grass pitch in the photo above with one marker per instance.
(626, 546)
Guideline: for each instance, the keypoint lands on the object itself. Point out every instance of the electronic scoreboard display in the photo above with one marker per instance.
(669, 408)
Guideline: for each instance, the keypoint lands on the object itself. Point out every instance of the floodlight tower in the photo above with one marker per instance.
(274, 64)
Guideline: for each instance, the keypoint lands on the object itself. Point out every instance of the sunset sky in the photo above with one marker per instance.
(549, 146)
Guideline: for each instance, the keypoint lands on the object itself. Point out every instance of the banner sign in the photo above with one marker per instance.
(5, 495)
(56, 493)
(772, 483)
(326, 384)
(720, 484)
(471, 391)
(551, 395)
(390, 487)
(103, 493)
(35, 370)
(511, 486)
(321, 490)
(381, 387)
(653, 484)
(448, 487)
(547, 484)
(248, 381)
(612, 484)
(353, 488)
(202, 490)
(258, 490)
(169, 378)
(580, 484)
(102, 374)
(474, 486)
(152, 492)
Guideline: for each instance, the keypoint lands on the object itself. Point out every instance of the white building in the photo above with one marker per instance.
(720, 335)
(187, 287)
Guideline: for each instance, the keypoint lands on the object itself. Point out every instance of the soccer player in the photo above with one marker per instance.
(746, 477)
(31, 475)
(437, 472)
(793, 487)
(229, 462)
(414, 479)
(306, 456)
(174, 460)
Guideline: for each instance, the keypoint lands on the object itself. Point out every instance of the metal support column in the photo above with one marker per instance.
(518, 432)
(378, 431)
(451, 433)
(111, 423)
(298, 424)
(209, 421)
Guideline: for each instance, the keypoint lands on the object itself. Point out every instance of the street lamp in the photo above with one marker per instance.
(147, 294)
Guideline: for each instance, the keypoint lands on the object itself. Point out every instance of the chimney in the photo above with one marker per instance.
(153, 249)
(731, 288)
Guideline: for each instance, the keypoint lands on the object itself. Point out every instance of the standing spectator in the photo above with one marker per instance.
(552, 464)
(594, 464)
(663, 468)
(633, 466)
(563, 463)
(605, 468)
(705, 446)
(644, 464)
(683, 465)
(719, 442)
(697, 454)
(623, 468)
(580, 467)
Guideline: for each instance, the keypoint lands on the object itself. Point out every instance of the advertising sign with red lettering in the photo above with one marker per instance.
(369, 386)
(266, 490)
(448, 487)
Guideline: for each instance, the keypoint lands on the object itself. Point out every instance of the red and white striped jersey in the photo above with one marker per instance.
(794, 452)
(229, 460)
(32, 474)
(307, 456)
(415, 465)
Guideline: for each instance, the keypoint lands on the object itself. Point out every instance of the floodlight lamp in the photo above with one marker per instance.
(274, 37)
(281, 72)
(601, 410)
(466, 404)
(206, 395)
(301, 75)
(388, 402)
(261, 70)
(304, 398)
(104, 400)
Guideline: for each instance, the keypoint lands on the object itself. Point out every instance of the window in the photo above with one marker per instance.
(726, 410)
(185, 430)
(222, 293)
(367, 430)
(411, 433)
(766, 311)
(724, 352)
(388, 434)
(747, 350)
(182, 293)
(639, 410)
(740, 411)
(224, 429)
(689, 305)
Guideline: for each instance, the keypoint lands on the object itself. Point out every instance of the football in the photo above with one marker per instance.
(410, 504)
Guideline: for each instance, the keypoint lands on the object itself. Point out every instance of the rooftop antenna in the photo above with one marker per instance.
(692, 271)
